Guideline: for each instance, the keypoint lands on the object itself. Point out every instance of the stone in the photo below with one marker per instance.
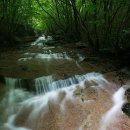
(126, 109)
(127, 94)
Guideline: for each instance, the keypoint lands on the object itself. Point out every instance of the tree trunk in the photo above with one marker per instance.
(76, 20)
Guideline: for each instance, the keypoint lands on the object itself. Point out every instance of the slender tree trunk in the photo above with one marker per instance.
(75, 11)
(97, 46)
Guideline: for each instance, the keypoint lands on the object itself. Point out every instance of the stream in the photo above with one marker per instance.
(45, 87)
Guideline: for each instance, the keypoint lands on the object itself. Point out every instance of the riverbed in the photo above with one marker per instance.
(56, 88)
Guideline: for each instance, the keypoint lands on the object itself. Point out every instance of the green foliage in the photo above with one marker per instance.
(126, 31)
(14, 16)
(102, 23)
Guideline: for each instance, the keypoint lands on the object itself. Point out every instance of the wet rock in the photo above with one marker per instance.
(127, 94)
(126, 106)
(81, 45)
(126, 71)
(29, 85)
(24, 68)
(2, 79)
(126, 109)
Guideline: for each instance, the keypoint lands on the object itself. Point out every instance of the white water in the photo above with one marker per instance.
(37, 106)
(41, 41)
(50, 56)
(12, 83)
(13, 98)
(112, 117)
(29, 109)
(46, 83)
(42, 84)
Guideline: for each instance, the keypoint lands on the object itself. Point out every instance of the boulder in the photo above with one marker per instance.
(126, 109)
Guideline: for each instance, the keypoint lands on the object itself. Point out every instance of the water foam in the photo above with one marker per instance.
(111, 118)
(38, 106)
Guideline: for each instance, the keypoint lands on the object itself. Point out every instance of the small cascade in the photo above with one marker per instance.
(12, 83)
(112, 119)
(45, 56)
(62, 83)
(46, 83)
(51, 110)
(13, 98)
(42, 84)
(67, 82)
(42, 41)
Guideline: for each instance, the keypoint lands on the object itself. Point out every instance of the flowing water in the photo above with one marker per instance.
(77, 103)
(40, 100)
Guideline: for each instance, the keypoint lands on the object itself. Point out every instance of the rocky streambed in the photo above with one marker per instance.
(37, 70)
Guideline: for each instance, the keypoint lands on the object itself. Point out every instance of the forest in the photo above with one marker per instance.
(101, 24)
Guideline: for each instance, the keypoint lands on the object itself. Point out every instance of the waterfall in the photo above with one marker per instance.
(45, 56)
(112, 119)
(47, 83)
(39, 112)
(42, 84)
(13, 83)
